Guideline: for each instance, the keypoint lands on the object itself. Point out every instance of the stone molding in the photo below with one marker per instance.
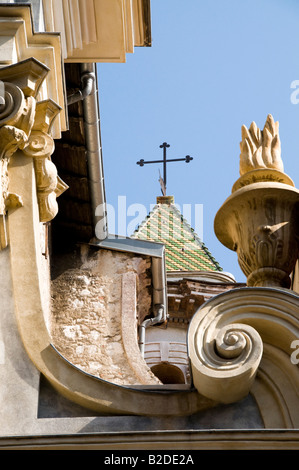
(161, 440)
(21, 43)
(129, 326)
(263, 322)
(98, 31)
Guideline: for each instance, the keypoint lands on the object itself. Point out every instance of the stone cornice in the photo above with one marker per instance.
(160, 440)
(23, 43)
(101, 30)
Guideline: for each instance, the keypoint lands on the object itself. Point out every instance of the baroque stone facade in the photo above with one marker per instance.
(73, 314)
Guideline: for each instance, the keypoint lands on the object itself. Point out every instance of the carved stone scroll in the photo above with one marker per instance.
(257, 330)
(12, 137)
(224, 355)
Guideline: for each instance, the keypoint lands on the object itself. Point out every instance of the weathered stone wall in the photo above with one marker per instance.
(87, 324)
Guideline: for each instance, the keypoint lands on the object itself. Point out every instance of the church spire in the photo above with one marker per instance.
(184, 250)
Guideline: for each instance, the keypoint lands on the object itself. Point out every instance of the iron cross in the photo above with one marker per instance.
(164, 146)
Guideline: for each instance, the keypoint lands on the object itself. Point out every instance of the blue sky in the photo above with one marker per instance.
(213, 66)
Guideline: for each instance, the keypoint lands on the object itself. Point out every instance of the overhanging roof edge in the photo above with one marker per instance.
(132, 245)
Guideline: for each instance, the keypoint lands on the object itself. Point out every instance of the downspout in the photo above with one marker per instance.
(89, 96)
(159, 316)
(87, 81)
(159, 300)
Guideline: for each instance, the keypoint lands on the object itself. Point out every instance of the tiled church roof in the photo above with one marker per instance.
(183, 248)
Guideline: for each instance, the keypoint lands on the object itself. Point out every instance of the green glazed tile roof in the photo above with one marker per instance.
(184, 251)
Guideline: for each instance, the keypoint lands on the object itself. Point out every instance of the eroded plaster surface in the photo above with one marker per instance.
(87, 324)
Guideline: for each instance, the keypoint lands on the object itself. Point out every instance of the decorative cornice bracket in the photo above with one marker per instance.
(25, 124)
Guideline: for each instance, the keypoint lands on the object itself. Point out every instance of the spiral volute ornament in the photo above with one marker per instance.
(224, 358)
(14, 104)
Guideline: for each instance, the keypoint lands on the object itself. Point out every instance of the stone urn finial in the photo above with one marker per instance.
(260, 220)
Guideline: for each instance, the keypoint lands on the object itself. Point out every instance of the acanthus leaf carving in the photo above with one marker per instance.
(49, 186)
(25, 124)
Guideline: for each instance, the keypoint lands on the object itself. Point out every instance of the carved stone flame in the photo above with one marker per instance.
(260, 149)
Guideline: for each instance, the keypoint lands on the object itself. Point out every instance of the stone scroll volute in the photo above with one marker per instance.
(224, 355)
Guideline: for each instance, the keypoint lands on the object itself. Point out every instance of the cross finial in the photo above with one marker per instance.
(164, 146)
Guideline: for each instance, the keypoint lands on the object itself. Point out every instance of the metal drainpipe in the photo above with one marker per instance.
(87, 80)
(89, 96)
(158, 318)
(94, 154)
(159, 300)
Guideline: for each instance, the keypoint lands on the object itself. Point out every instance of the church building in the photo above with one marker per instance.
(141, 342)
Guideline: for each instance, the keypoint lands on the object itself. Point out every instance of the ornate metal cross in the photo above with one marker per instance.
(164, 146)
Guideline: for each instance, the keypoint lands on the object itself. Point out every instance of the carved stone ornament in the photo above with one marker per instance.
(242, 341)
(224, 353)
(260, 219)
(25, 125)
(40, 146)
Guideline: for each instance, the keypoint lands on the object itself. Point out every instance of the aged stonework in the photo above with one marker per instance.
(89, 317)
